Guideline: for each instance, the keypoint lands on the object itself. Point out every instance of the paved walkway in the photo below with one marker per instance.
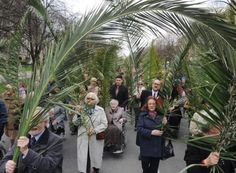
(128, 161)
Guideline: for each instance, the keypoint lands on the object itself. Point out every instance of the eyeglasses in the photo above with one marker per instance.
(89, 98)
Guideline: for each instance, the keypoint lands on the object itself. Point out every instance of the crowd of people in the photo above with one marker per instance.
(100, 129)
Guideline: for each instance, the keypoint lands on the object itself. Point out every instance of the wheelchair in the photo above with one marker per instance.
(116, 148)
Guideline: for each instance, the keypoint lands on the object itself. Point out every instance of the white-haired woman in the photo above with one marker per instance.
(116, 117)
(91, 121)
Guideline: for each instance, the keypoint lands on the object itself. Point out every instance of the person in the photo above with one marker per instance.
(22, 92)
(57, 116)
(93, 86)
(154, 92)
(3, 117)
(150, 140)
(176, 111)
(91, 121)
(138, 89)
(13, 113)
(40, 151)
(198, 122)
(196, 154)
(116, 119)
(136, 105)
(119, 92)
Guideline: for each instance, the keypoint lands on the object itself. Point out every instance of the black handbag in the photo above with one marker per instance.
(167, 150)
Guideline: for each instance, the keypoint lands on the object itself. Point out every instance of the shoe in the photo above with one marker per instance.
(117, 152)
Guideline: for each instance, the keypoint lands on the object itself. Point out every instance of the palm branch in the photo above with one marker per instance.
(152, 65)
(168, 81)
(215, 84)
(102, 22)
(103, 67)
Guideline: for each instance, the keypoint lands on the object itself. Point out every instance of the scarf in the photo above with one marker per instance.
(152, 114)
(89, 110)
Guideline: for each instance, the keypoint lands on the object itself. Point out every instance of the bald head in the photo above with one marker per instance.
(156, 85)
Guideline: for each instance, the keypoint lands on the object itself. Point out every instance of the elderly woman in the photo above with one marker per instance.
(150, 136)
(91, 122)
(116, 118)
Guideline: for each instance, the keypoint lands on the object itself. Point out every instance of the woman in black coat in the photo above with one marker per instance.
(150, 137)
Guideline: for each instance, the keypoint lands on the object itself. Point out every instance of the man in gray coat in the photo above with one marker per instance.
(41, 152)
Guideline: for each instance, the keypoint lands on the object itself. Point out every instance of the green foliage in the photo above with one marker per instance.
(103, 67)
(100, 24)
(2, 88)
(152, 64)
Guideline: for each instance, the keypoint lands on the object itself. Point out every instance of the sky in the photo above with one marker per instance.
(81, 6)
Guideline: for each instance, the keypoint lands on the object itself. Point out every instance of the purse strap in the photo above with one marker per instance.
(91, 121)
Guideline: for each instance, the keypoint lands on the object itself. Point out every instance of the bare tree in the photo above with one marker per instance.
(38, 31)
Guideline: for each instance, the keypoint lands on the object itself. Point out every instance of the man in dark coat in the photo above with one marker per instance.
(3, 117)
(154, 92)
(41, 152)
(119, 92)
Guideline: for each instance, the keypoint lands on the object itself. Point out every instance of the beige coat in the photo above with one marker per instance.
(114, 117)
(84, 141)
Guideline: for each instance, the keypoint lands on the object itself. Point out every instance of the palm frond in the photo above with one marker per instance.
(103, 21)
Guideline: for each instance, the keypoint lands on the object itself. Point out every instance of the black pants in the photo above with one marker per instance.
(1, 130)
(136, 112)
(150, 164)
(95, 170)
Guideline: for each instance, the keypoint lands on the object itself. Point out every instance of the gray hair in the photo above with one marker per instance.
(156, 80)
(92, 95)
(114, 101)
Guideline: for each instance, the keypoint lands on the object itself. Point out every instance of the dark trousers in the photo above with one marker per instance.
(136, 112)
(1, 130)
(150, 164)
(94, 170)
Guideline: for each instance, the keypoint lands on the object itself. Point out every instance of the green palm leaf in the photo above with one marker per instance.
(103, 21)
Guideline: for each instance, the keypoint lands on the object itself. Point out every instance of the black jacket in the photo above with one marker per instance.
(46, 156)
(144, 95)
(194, 155)
(122, 95)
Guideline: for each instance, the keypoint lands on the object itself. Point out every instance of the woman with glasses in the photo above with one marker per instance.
(91, 121)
